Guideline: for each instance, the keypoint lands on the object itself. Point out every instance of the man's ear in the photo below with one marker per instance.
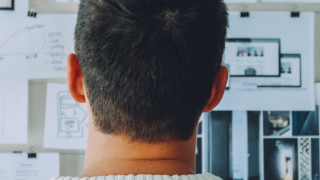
(75, 82)
(218, 89)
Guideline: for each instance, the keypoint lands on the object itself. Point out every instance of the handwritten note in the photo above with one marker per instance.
(35, 48)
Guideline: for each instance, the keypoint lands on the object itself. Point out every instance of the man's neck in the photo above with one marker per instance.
(116, 155)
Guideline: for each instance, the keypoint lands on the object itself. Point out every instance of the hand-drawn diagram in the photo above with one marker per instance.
(9, 48)
(71, 117)
(35, 49)
(37, 59)
(66, 124)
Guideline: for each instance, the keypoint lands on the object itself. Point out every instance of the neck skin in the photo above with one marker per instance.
(116, 155)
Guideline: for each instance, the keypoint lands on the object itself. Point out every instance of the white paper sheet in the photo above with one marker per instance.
(34, 48)
(66, 124)
(297, 36)
(14, 112)
(18, 166)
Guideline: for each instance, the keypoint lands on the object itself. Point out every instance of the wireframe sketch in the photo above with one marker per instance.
(71, 117)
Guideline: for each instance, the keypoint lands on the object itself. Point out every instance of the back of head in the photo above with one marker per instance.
(149, 65)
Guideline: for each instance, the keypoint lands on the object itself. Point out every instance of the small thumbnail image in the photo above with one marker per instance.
(276, 123)
(250, 71)
(305, 123)
(286, 68)
(281, 159)
(250, 51)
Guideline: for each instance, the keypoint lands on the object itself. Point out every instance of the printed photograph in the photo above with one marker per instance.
(315, 159)
(276, 123)
(280, 159)
(305, 123)
(225, 147)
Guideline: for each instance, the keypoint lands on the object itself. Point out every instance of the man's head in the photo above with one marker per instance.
(149, 66)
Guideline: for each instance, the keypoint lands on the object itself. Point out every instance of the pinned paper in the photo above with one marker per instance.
(66, 125)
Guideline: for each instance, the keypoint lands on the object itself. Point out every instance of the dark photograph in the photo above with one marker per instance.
(305, 123)
(276, 123)
(280, 159)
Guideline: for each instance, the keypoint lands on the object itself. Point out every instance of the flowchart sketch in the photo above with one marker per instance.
(29, 166)
(35, 48)
(14, 112)
(66, 125)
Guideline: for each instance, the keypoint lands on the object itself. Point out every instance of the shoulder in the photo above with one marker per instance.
(146, 177)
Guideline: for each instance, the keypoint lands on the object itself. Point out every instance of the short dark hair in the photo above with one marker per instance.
(149, 65)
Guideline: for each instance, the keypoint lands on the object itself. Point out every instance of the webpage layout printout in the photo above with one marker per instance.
(253, 58)
(290, 73)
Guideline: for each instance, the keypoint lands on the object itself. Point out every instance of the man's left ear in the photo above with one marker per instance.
(75, 81)
(218, 89)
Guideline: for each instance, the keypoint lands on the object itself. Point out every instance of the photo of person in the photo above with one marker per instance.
(6, 4)
(276, 123)
(286, 68)
(250, 52)
(280, 159)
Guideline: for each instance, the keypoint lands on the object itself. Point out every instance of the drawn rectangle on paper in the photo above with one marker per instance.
(253, 57)
(6, 4)
(66, 125)
(54, 6)
(290, 72)
(24, 167)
